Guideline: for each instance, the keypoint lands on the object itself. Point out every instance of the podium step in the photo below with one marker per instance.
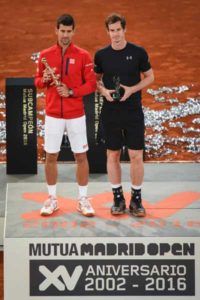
(69, 255)
(173, 209)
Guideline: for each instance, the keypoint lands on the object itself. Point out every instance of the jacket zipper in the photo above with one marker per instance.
(61, 77)
(67, 64)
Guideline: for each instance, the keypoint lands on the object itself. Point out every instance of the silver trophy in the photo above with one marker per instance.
(119, 91)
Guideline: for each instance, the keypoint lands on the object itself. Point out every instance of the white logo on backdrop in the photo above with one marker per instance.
(53, 278)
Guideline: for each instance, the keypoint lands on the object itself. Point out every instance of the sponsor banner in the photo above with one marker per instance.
(21, 126)
(113, 277)
(135, 268)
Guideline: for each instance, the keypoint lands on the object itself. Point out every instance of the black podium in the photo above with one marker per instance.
(21, 126)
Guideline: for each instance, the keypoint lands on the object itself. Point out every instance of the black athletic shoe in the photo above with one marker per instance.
(136, 208)
(119, 206)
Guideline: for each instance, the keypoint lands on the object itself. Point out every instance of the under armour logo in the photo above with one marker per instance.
(60, 273)
(129, 57)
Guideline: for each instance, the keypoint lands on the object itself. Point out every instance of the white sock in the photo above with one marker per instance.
(82, 190)
(136, 187)
(52, 190)
(115, 186)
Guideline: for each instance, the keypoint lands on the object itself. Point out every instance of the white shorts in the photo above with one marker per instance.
(75, 129)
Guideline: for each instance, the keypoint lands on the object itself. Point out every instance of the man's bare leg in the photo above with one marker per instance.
(82, 177)
(51, 173)
(137, 175)
(114, 176)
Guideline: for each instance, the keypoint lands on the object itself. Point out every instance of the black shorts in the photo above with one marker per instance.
(123, 127)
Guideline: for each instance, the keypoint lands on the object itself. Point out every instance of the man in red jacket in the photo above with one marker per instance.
(66, 71)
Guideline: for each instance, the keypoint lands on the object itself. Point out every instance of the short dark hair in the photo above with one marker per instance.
(113, 18)
(66, 20)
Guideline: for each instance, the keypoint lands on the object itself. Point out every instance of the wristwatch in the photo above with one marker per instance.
(71, 92)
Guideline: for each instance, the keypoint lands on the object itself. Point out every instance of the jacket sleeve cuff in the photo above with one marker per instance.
(39, 83)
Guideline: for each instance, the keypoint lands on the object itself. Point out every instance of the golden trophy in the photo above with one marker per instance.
(55, 79)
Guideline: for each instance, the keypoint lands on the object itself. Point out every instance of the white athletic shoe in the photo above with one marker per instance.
(85, 207)
(50, 205)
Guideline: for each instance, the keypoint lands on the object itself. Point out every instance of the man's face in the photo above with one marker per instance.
(64, 35)
(116, 33)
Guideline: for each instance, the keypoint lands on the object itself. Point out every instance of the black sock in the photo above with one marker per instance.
(136, 194)
(118, 192)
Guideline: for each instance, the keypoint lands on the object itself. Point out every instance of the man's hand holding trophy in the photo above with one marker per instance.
(119, 90)
(51, 78)
(122, 92)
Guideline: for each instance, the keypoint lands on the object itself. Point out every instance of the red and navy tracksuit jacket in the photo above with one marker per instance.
(76, 71)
